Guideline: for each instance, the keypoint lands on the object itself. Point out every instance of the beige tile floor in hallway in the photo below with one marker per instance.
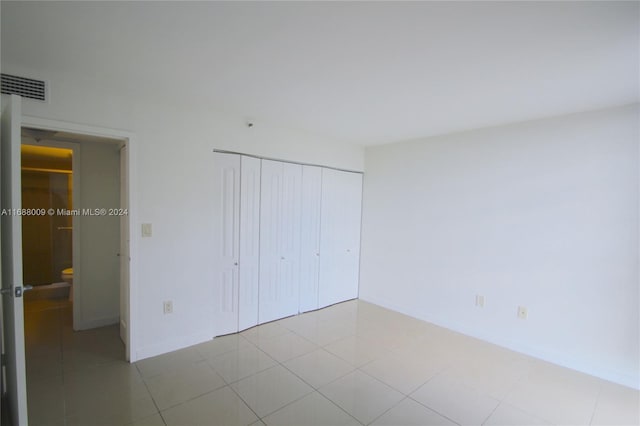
(350, 364)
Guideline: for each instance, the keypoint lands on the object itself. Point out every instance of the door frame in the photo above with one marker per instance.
(129, 140)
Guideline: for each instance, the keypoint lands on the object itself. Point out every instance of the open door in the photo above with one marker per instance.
(11, 236)
(124, 250)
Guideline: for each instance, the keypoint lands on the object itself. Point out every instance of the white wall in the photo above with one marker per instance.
(542, 214)
(173, 171)
(98, 288)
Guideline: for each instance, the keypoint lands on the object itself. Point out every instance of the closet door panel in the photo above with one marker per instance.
(270, 224)
(279, 240)
(249, 242)
(226, 195)
(352, 193)
(339, 236)
(310, 237)
(290, 248)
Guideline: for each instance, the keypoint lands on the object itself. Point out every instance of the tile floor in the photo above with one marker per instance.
(350, 364)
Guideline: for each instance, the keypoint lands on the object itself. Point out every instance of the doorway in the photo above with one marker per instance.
(71, 244)
(14, 384)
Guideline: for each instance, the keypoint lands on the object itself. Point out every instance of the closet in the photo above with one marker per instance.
(286, 239)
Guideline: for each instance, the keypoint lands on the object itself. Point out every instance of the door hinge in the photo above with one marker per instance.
(3, 360)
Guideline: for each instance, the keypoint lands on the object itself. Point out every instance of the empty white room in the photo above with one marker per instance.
(320, 213)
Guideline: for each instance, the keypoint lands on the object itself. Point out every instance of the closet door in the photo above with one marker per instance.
(340, 236)
(249, 242)
(279, 240)
(226, 195)
(310, 237)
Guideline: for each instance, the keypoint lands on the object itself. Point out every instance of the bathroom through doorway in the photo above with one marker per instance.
(74, 244)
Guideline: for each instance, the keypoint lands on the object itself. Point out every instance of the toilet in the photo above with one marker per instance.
(67, 276)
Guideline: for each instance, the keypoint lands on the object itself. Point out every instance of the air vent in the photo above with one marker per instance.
(25, 87)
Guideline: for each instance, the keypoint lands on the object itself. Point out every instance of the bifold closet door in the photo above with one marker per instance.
(340, 236)
(249, 242)
(310, 237)
(279, 240)
(226, 231)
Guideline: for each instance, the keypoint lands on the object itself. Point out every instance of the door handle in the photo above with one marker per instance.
(16, 291)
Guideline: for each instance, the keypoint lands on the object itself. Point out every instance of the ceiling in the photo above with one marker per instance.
(358, 72)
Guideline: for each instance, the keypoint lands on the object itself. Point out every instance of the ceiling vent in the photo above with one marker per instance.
(25, 87)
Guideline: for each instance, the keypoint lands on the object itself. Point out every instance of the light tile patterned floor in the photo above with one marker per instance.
(350, 364)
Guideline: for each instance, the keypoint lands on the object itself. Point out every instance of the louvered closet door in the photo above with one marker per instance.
(226, 226)
(340, 236)
(279, 240)
(310, 237)
(249, 242)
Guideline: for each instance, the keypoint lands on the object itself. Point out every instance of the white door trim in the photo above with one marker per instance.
(130, 141)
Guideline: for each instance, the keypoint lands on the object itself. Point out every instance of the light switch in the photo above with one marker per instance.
(146, 229)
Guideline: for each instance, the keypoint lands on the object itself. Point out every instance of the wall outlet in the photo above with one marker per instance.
(522, 312)
(147, 230)
(479, 301)
(168, 307)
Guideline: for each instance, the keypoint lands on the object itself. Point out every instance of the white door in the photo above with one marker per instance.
(226, 225)
(249, 242)
(290, 248)
(11, 236)
(279, 240)
(310, 237)
(340, 236)
(124, 250)
(270, 231)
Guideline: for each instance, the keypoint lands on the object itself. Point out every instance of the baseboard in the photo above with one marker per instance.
(98, 322)
(602, 372)
(171, 345)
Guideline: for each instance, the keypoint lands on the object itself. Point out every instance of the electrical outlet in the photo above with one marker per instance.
(147, 230)
(522, 312)
(479, 301)
(168, 307)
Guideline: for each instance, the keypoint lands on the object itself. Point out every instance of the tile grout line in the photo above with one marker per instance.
(318, 388)
(595, 406)
(434, 410)
(246, 403)
(189, 399)
(426, 406)
(229, 384)
(491, 413)
(281, 363)
(146, 386)
(389, 409)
